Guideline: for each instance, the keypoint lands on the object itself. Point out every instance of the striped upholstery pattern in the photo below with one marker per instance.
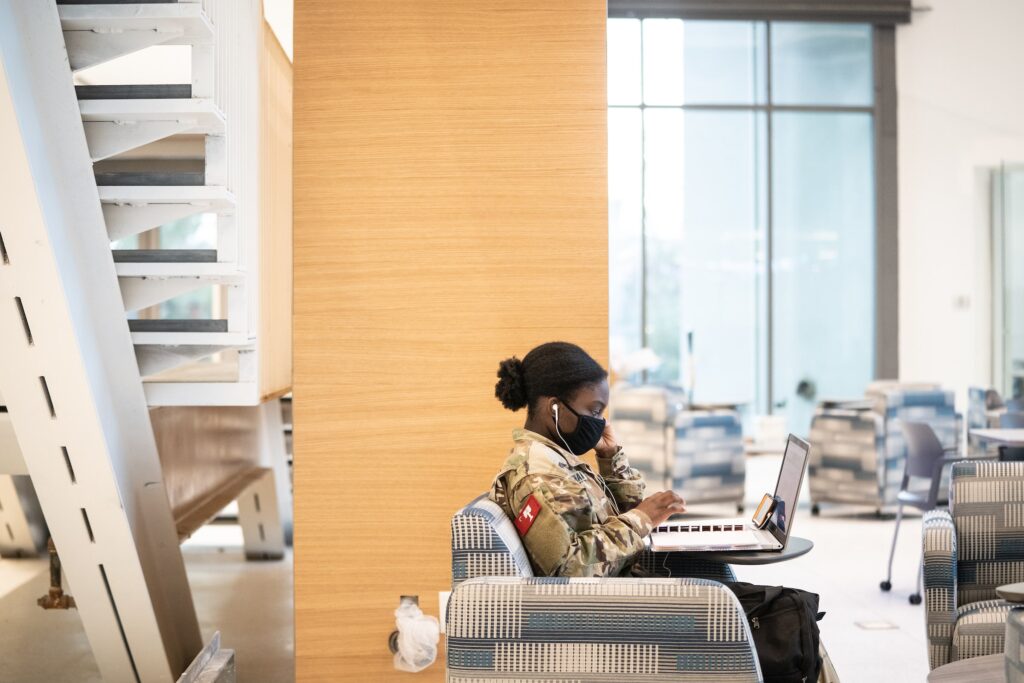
(969, 552)
(843, 464)
(987, 503)
(597, 631)
(1015, 645)
(643, 417)
(857, 455)
(980, 629)
(706, 456)
(939, 585)
(697, 453)
(485, 543)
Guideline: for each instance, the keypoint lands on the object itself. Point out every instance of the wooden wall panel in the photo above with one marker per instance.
(275, 334)
(450, 210)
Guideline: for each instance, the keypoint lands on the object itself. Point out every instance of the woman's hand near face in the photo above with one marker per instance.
(608, 445)
(661, 506)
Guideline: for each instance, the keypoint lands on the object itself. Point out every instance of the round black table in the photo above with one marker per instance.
(974, 670)
(795, 547)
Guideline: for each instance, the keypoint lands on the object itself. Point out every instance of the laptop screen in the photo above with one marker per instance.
(787, 489)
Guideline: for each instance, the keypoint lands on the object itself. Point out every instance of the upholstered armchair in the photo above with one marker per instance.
(969, 551)
(504, 624)
(858, 450)
(698, 453)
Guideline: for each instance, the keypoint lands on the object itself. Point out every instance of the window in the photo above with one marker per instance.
(734, 145)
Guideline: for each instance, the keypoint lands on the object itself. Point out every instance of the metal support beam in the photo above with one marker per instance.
(70, 378)
(275, 456)
(260, 519)
(212, 665)
(11, 461)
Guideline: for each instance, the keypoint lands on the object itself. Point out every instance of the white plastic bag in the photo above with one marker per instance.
(417, 637)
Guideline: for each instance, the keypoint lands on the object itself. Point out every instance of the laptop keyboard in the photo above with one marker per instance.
(683, 528)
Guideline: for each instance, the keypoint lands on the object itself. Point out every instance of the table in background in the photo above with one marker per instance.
(1003, 437)
(985, 669)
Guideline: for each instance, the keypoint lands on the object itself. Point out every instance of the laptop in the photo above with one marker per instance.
(717, 535)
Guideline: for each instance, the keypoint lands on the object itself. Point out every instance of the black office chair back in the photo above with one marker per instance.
(924, 458)
(1011, 420)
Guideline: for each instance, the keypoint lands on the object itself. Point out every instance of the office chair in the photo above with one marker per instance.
(1011, 421)
(925, 458)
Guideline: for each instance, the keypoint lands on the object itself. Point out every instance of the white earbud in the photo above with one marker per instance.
(555, 408)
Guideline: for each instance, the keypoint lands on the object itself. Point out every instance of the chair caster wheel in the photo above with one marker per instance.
(815, 510)
(878, 513)
(885, 586)
(915, 599)
(739, 509)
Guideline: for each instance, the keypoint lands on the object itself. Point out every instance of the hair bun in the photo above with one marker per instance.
(511, 386)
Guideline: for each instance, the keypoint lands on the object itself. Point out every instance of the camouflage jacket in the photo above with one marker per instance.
(572, 521)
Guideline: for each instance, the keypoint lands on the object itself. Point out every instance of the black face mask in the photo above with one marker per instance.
(586, 435)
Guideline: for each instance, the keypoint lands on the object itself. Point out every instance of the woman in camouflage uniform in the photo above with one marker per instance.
(573, 521)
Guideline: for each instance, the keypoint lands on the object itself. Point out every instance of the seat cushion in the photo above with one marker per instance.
(980, 629)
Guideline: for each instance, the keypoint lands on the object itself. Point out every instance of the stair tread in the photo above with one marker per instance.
(188, 17)
(161, 91)
(178, 325)
(200, 110)
(165, 255)
(214, 272)
(211, 340)
(140, 178)
(217, 195)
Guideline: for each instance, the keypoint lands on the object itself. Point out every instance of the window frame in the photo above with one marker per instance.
(885, 154)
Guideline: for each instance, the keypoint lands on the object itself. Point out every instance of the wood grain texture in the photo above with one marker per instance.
(202, 449)
(450, 211)
(275, 332)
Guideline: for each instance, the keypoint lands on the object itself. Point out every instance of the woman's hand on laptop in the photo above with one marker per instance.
(661, 506)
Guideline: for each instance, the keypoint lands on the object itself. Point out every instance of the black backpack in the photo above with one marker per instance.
(784, 624)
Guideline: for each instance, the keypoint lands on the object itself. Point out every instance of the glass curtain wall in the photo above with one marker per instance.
(733, 145)
(1008, 252)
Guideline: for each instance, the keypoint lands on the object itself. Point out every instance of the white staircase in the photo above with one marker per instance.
(96, 33)
(88, 349)
(143, 137)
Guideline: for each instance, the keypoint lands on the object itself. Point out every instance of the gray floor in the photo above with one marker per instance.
(251, 602)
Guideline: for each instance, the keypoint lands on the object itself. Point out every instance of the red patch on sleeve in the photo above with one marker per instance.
(527, 515)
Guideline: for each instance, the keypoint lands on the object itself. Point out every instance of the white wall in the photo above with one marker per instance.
(280, 15)
(961, 112)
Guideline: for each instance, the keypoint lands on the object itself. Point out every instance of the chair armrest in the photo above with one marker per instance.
(939, 584)
(509, 629)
